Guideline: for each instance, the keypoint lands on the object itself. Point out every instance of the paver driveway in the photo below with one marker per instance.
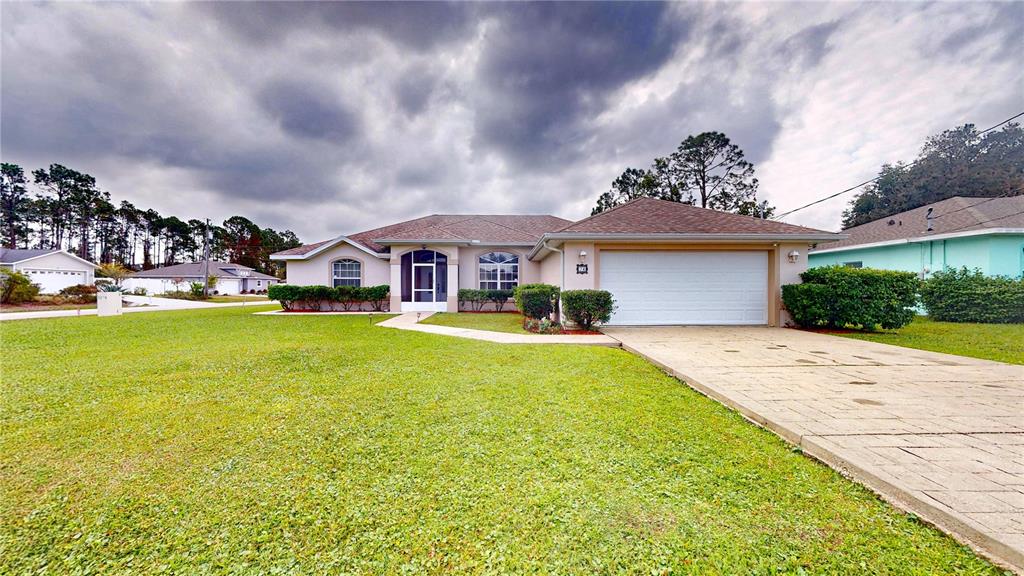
(940, 435)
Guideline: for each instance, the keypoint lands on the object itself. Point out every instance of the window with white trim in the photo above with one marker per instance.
(347, 272)
(499, 271)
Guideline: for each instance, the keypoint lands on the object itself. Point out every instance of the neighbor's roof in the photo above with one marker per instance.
(482, 228)
(13, 255)
(954, 215)
(650, 216)
(195, 270)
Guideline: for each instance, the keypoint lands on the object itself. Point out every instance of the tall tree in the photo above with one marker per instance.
(712, 171)
(244, 241)
(957, 162)
(707, 170)
(15, 206)
(152, 224)
(62, 182)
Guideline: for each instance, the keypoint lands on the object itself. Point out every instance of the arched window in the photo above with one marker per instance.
(499, 271)
(346, 272)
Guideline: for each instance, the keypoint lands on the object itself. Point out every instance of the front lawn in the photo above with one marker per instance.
(214, 441)
(1002, 342)
(224, 298)
(34, 307)
(493, 321)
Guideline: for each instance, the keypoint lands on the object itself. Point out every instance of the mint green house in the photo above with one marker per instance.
(982, 233)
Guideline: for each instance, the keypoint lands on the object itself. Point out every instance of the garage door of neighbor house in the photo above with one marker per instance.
(686, 287)
(52, 281)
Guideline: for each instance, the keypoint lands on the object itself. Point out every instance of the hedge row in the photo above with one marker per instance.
(970, 296)
(843, 297)
(476, 299)
(321, 298)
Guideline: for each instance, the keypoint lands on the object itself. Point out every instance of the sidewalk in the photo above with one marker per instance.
(410, 321)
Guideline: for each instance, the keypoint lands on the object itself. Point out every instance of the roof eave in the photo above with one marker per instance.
(920, 239)
(448, 242)
(327, 246)
(698, 238)
(64, 252)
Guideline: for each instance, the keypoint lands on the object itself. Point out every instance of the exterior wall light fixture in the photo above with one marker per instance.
(793, 256)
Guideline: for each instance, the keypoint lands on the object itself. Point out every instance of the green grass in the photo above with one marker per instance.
(495, 322)
(1002, 342)
(6, 309)
(215, 441)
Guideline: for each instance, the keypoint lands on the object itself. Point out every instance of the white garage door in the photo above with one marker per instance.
(684, 287)
(52, 281)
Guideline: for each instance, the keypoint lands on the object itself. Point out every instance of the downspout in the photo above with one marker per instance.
(561, 256)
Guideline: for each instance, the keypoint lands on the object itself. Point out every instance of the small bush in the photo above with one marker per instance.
(78, 290)
(16, 288)
(549, 291)
(843, 297)
(542, 326)
(969, 296)
(377, 296)
(588, 307)
(498, 298)
(196, 288)
(140, 291)
(474, 299)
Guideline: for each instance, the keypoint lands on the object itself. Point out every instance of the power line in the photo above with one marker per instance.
(852, 188)
(984, 222)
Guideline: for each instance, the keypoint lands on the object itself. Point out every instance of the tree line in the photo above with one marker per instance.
(706, 170)
(66, 210)
(957, 162)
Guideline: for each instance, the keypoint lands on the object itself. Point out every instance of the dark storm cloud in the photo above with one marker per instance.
(308, 111)
(419, 25)
(807, 47)
(548, 67)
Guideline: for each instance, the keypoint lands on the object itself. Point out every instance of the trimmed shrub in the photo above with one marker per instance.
(377, 296)
(321, 298)
(588, 307)
(969, 296)
(843, 297)
(498, 298)
(474, 299)
(536, 300)
(16, 287)
(196, 289)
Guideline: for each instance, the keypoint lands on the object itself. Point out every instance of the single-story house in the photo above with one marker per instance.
(52, 269)
(664, 262)
(231, 278)
(982, 233)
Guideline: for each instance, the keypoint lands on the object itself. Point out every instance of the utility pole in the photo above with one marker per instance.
(206, 260)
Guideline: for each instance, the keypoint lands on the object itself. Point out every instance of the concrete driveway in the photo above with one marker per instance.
(936, 434)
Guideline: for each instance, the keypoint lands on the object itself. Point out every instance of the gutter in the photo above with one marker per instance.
(920, 239)
(692, 237)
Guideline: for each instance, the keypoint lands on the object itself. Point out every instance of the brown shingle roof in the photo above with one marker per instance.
(487, 228)
(653, 216)
(957, 214)
(195, 270)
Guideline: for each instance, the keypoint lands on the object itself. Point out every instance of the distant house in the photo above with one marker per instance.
(982, 233)
(231, 278)
(51, 269)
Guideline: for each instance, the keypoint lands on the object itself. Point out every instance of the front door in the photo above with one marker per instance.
(424, 281)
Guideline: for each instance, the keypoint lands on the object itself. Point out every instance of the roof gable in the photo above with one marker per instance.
(959, 214)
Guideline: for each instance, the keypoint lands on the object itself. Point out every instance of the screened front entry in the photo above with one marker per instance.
(424, 281)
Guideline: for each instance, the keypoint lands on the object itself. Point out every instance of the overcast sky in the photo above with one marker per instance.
(334, 118)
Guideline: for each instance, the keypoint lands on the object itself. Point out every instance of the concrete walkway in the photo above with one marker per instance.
(138, 304)
(410, 321)
(939, 435)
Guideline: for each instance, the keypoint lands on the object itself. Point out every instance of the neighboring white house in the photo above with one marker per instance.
(52, 270)
(230, 278)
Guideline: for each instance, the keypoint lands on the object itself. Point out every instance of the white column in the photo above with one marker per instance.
(453, 285)
(396, 285)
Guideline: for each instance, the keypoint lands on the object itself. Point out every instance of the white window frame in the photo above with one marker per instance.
(502, 269)
(358, 277)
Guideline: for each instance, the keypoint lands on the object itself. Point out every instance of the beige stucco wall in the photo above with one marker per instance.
(574, 281)
(549, 269)
(789, 273)
(317, 270)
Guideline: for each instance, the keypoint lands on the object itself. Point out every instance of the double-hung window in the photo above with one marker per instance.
(499, 271)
